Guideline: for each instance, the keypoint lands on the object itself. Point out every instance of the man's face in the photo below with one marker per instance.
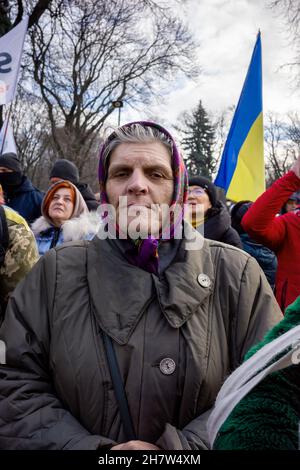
(54, 180)
(3, 169)
(142, 173)
(291, 205)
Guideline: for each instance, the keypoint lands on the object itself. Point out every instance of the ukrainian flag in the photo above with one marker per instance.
(242, 169)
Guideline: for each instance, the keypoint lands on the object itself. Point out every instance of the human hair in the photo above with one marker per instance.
(134, 133)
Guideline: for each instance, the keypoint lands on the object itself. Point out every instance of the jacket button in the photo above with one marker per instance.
(167, 366)
(204, 280)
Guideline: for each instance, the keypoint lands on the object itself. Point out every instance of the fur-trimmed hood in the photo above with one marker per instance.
(74, 229)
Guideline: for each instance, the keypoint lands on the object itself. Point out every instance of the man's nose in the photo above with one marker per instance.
(137, 182)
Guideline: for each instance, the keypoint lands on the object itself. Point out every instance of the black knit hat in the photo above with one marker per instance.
(237, 213)
(207, 185)
(65, 170)
(11, 161)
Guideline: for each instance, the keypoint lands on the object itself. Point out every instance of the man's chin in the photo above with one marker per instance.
(139, 229)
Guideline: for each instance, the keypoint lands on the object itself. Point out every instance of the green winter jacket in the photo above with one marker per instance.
(21, 254)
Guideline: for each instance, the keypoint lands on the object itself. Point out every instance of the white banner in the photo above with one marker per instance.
(9, 142)
(11, 48)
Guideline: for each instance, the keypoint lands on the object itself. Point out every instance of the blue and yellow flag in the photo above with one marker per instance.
(242, 169)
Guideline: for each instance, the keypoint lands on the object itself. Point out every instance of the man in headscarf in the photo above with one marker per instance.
(124, 341)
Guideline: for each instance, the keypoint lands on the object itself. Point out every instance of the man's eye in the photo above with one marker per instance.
(119, 174)
(157, 174)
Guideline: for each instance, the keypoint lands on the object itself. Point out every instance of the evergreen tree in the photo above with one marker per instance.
(197, 142)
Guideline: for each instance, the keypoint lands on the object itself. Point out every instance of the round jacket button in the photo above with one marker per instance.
(204, 280)
(167, 366)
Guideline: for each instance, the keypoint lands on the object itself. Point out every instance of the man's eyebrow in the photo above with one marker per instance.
(150, 166)
(118, 166)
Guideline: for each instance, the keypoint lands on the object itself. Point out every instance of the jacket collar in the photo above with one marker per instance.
(121, 292)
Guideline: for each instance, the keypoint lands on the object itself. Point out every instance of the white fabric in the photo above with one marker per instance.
(11, 47)
(249, 374)
(9, 145)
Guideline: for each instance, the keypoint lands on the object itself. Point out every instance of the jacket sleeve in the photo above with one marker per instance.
(32, 416)
(260, 221)
(256, 311)
(20, 257)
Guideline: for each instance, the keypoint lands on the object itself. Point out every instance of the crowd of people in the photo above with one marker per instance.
(130, 323)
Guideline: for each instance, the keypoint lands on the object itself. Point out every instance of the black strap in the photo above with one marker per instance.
(4, 237)
(119, 389)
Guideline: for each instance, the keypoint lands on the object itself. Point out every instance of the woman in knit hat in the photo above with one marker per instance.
(65, 217)
(209, 215)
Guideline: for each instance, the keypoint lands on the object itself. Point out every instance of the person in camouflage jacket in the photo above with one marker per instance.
(20, 256)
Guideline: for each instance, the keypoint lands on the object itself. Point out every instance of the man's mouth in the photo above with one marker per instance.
(137, 205)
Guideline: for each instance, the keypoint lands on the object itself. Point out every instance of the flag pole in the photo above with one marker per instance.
(20, 57)
(15, 85)
(6, 126)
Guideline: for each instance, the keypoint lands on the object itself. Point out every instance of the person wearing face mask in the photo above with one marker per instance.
(208, 215)
(65, 217)
(19, 192)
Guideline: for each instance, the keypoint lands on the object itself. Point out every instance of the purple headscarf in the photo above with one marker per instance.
(145, 251)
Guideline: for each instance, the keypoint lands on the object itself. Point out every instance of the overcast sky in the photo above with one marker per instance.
(226, 30)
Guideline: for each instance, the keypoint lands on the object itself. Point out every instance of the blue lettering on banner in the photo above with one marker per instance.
(5, 59)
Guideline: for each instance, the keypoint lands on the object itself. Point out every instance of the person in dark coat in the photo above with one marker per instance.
(65, 170)
(210, 214)
(265, 257)
(19, 192)
(178, 313)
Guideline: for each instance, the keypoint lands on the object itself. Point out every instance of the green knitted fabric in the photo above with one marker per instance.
(268, 417)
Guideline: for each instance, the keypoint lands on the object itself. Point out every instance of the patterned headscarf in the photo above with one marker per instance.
(145, 252)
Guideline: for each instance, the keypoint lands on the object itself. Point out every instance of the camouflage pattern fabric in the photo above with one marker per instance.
(21, 254)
